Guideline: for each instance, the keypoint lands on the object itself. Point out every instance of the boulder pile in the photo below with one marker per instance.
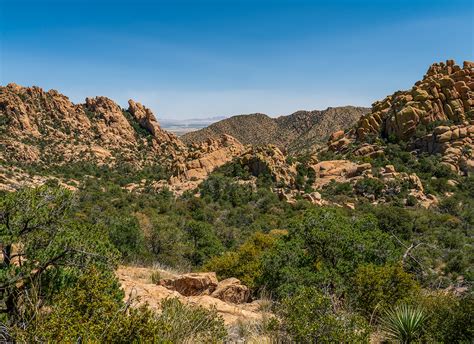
(436, 116)
(229, 297)
(444, 94)
(206, 283)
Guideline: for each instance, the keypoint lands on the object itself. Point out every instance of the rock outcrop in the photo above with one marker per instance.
(201, 159)
(435, 116)
(444, 94)
(231, 290)
(45, 127)
(205, 283)
(268, 160)
(455, 143)
(230, 298)
(192, 284)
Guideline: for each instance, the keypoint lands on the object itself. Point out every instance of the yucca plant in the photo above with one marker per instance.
(403, 323)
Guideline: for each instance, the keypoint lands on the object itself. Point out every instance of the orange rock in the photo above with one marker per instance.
(231, 290)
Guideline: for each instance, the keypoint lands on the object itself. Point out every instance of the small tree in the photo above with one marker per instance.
(37, 235)
(378, 286)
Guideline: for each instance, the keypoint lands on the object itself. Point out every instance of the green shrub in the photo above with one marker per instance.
(39, 225)
(245, 262)
(334, 188)
(310, 317)
(375, 287)
(323, 248)
(450, 317)
(204, 242)
(369, 187)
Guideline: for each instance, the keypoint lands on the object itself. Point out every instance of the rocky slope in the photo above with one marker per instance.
(45, 129)
(298, 131)
(436, 116)
(39, 127)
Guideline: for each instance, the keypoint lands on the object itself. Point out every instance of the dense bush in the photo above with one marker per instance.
(449, 317)
(377, 287)
(309, 316)
(323, 249)
(38, 236)
(369, 187)
(245, 262)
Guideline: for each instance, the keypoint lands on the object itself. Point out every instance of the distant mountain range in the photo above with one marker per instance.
(298, 131)
(183, 126)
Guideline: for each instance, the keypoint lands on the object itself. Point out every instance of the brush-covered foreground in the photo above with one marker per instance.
(327, 273)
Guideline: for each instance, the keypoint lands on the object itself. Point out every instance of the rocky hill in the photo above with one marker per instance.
(39, 127)
(298, 131)
(45, 130)
(436, 116)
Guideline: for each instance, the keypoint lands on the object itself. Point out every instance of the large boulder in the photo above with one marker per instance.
(231, 290)
(192, 284)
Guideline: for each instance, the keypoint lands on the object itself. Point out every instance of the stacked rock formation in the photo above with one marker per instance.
(46, 127)
(228, 297)
(206, 283)
(202, 159)
(268, 160)
(455, 143)
(444, 96)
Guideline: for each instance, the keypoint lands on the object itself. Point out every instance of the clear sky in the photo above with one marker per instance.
(187, 59)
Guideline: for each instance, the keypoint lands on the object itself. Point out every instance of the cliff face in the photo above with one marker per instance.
(299, 131)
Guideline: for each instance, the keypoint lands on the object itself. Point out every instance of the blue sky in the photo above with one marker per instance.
(187, 59)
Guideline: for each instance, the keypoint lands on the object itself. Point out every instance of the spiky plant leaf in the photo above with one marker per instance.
(403, 323)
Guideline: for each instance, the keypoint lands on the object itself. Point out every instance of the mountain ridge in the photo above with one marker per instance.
(298, 131)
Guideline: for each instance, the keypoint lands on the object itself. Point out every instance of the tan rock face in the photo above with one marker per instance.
(205, 283)
(192, 284)
(111, 123)
(445, 93)
(137, 285)
(148, 121)
(231, 290)
(339, 171)
(270, 160)
(454, 143)
(201, 159)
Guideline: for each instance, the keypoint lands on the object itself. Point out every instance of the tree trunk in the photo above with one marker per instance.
(7, 253)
